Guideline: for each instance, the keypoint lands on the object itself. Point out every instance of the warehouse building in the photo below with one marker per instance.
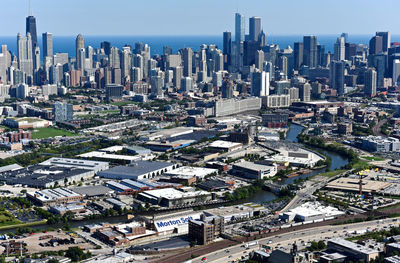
(198, 172)
(137, 170)
(237, 212)
(94, 166)
(93, 191)
(225, 146)
(253, 171)
(353, 185)
(171, 197)
(120, 188)
(55, 196)
(169, 223)
(310, 212)
(45, 176)
(353, 251)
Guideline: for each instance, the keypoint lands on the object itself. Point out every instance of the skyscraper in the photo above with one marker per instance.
(337, 76)
(227, 48)
(396, 72)
(385, 40)
(47, 44)
(106, 46)
(260, 83)
(79, 44)
(298, 55)
(63, 111)
(239, 28)
(254, 28)
(31, 28)
(375, 45)
(310, 51)
(25, 54)
(187, 62)
(339, 49)
(370, 82)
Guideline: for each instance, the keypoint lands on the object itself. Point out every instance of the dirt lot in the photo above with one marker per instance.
(33, 242)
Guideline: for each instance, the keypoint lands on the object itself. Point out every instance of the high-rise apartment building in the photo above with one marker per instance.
(370, 80)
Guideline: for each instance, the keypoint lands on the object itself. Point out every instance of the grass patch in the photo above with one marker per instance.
(7, 219)
(373, 158)
(331, 173)
(122, 103)
(20, 224)
(360, 164)
(41, 133)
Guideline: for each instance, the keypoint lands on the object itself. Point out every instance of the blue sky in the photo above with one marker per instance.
(205, 17)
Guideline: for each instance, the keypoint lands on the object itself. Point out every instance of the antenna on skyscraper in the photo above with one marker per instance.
(30, 8)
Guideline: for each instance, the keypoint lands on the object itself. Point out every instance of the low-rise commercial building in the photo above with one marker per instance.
(171, 197)
(55, 196)
(254, 171)
(354, 251)
(198, 172)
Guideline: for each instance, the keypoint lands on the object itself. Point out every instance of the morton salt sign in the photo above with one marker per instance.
(168, 224)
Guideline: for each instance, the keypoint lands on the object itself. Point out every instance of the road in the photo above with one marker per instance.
(284, 241)
(377, 128)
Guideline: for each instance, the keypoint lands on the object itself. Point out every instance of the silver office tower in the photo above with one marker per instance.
(47, 44)
(254, 28)
(239, 28)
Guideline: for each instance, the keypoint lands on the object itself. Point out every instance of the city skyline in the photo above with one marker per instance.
(202, 19)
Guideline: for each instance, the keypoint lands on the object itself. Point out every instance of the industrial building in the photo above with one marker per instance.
(353, 185)
(93, 191)
(55, 196)
(137, 170)
(237, 212)
(297, 157)
(167, 146)
(171, 197)
(169, 223)
(94, 166)
(205, 230)
(310, 212)
(253, 171)
(380, 144)
(225, 146)
(352, 250)
(198, 172)
(45, 176)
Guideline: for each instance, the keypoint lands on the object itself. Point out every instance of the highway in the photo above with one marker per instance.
(284, 241)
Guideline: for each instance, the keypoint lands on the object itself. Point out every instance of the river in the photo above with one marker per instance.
(294, 130)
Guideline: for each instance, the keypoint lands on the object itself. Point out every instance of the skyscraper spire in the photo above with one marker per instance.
(30, 8)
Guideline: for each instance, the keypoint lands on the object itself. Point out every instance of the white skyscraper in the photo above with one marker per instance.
(24, 50)
(340, 49)
(260, 83)
(396, 72)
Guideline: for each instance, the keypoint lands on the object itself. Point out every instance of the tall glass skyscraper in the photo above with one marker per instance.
(310, 51)
(254, 27)
(31, 28)
(239, 27)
